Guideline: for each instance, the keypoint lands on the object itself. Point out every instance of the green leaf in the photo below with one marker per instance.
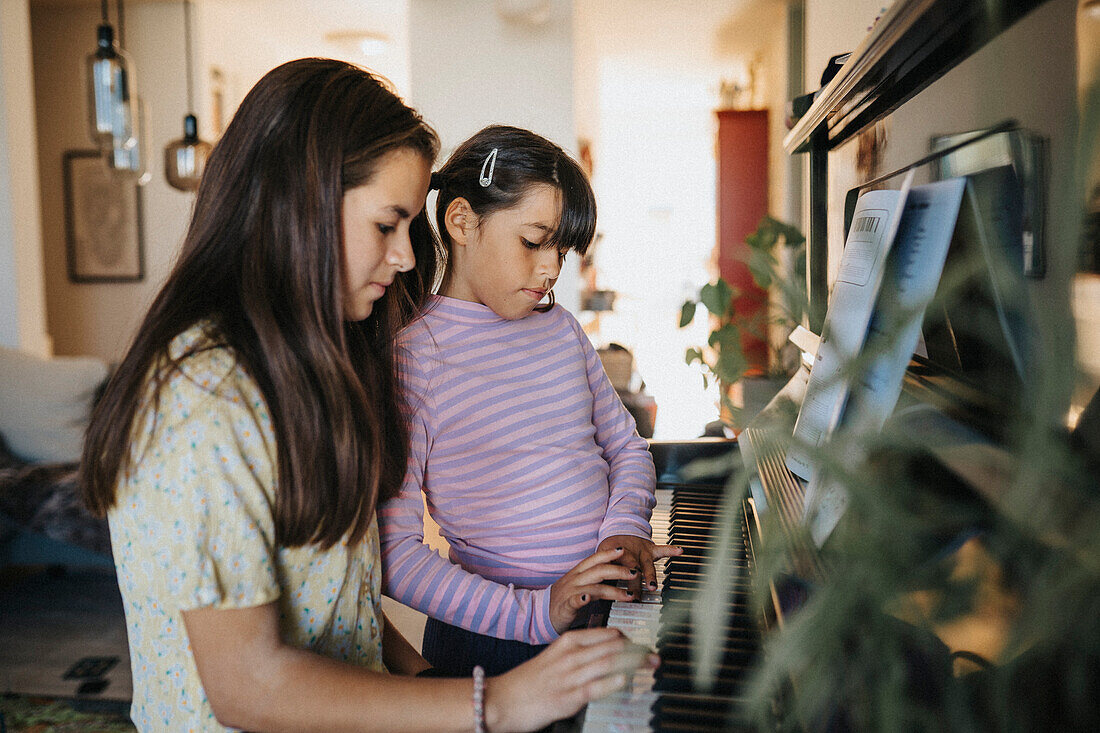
(765, 236)
(762, 265)
(717, 297)
(687, 312)
(724, 334)
(728, 337)
(792, 236)
(693, 355)
(731, 365)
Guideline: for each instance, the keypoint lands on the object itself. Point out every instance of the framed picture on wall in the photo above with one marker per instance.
(103, 221)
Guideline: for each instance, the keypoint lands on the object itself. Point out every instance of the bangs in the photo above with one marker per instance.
(577, 226)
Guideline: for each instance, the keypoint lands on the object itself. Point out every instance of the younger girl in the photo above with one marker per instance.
(242, 445)
(528, 459)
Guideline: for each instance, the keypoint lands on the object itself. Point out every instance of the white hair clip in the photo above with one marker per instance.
(491, 164)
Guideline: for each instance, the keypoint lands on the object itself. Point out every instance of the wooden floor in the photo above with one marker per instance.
(52, 620)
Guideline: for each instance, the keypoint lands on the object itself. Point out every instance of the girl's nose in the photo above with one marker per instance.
(550, 263)
(400, 254)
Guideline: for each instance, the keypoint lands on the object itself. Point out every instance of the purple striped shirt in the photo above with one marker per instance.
(528, 460)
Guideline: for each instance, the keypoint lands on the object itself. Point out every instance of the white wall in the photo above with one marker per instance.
(469, 67)
(834, 27)
(22, 290)
(246, 38)
(243, 39)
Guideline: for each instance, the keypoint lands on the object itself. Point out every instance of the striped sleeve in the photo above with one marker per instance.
(632, 478)
(419, 577)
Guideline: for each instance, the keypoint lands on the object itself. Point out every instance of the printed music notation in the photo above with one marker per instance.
(877, 312)
(850, 309)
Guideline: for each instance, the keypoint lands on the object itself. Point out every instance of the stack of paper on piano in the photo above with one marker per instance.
(889, 271)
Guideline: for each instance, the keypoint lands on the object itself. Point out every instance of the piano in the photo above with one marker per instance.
(915, 43)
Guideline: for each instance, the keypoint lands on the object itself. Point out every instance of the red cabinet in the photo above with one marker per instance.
(742, 202)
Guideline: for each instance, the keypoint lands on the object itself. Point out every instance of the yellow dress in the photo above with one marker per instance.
(193, 527)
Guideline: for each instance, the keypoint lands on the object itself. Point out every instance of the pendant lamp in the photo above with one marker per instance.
(129, 160)
(113, 114)
(185, 159)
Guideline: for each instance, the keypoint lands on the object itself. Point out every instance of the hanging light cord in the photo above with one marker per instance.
(187, 48)
(121, 26)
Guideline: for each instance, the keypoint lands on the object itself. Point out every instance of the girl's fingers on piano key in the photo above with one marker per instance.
(586, 578)
(660, 551)
(590, 637)
(652, 554)
(641, 553)
(604, 686)
(607, 592)
(600, 573)
(602, 557)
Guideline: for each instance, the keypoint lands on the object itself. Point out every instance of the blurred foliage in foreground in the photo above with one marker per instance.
(996, 552)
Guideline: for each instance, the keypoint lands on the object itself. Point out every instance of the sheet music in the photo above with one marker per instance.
(909, 283)
(874, 225)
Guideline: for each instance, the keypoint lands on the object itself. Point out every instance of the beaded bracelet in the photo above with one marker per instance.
(479, 699)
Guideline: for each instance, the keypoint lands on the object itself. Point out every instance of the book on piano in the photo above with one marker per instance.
(912, 274)
(879, 325)
(851, 306)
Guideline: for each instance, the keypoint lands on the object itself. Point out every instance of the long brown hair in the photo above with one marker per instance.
(262, 262)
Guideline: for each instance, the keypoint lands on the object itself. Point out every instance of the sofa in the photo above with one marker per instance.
(44, 410)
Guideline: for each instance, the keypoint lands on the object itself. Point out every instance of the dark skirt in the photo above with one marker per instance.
(454, 652)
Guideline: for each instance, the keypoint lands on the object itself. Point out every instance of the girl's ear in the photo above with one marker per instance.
(460, 220)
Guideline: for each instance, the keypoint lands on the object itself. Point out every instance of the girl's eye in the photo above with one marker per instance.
(529, 244)
(561, 256)
(386, 229)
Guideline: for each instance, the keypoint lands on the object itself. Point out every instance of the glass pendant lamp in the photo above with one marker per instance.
(113, 104)
(129, 159)
(110, 86)
(185, 159)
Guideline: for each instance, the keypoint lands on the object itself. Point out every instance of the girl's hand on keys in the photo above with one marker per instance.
(638, 555)
(574, 590)
(579, 667)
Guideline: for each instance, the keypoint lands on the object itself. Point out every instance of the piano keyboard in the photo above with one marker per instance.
(665, 699)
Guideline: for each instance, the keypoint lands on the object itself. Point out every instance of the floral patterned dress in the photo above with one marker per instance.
(193, 527)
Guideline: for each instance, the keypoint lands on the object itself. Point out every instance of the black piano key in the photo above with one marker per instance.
(668, 681)
(695, 712)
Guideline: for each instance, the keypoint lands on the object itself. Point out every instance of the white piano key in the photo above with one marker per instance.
(637, 610)
(629, 711)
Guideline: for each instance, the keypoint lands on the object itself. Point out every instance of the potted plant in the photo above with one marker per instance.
(776, 260)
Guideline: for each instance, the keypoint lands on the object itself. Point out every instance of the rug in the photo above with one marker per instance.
(31, 714)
